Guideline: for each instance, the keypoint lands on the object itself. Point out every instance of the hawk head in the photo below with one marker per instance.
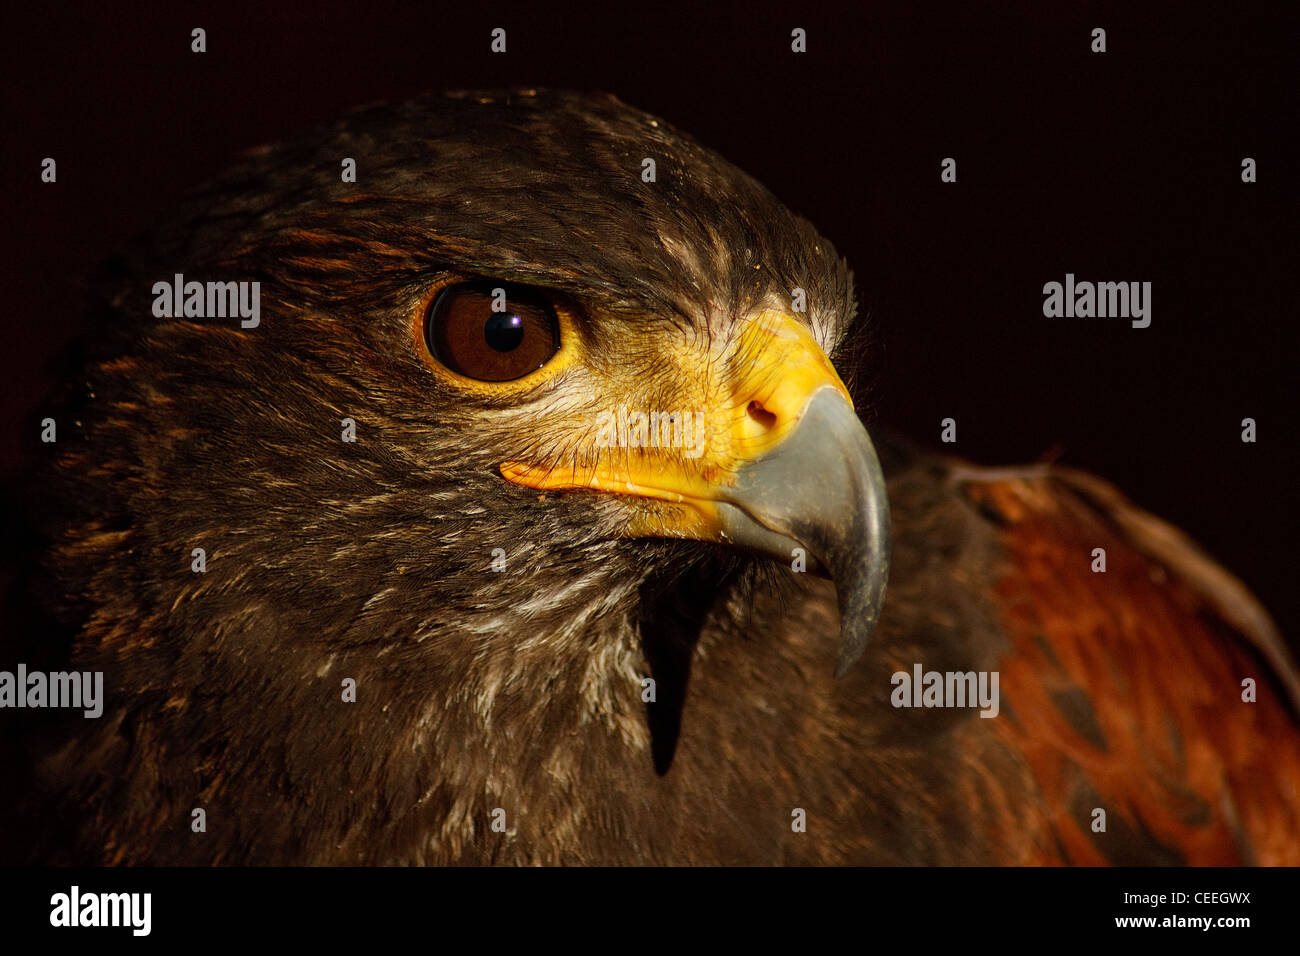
(545, 359)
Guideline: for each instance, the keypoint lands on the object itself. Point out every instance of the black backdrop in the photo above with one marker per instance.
(1121, 166)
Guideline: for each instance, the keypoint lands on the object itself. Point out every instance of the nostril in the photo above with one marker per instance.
(758, 413)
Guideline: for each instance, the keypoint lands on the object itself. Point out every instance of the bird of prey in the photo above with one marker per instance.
(399, 574)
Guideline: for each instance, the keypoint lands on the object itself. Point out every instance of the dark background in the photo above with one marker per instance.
(1122, 166)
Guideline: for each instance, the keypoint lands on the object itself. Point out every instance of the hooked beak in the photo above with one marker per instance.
(821, 488)
(800, 473)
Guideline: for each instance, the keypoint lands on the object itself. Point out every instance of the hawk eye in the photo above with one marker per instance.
(492, 331)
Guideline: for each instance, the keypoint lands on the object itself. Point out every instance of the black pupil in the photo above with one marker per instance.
(504, 331)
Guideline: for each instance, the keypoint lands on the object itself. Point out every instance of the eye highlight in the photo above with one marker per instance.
(492, 331)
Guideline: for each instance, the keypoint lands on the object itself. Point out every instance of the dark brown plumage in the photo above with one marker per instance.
(522, 691)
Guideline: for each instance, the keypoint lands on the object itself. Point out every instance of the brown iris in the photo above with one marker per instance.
(492, 331)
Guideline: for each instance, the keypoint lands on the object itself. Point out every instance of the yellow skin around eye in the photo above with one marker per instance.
(776, 366)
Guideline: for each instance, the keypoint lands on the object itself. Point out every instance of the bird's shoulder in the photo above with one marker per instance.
(1139, 676)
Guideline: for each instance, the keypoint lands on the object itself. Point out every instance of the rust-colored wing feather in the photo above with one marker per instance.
(1123, 689)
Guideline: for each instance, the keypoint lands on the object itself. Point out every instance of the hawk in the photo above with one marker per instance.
(538, 526)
